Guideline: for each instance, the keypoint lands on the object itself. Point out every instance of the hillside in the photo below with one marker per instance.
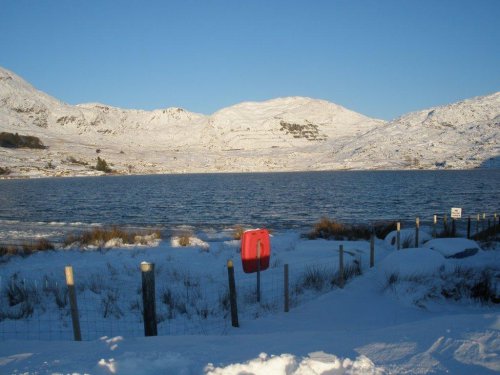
(284, 134)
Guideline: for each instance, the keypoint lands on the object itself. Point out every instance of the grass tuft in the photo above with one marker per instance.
(330, 229)
(100, 236)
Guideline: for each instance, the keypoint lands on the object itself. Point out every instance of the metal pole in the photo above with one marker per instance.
(232, 294)
(258, 270)
(148, 298)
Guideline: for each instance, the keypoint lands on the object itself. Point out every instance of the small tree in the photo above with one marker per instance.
(102, 166)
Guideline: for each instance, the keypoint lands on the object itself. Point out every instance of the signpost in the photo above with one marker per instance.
(255, 253)
(456, 213)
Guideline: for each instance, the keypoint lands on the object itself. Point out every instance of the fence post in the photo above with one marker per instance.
(434, 223)
(453, 227)
(477, 223)
(372, 250)
(341, 266)
(286, 288)
(148, 298)
(70, 282)
(483, 222)
(398, 235)
(445, 224)
(417, 226)
(468, 228)
(232, 294)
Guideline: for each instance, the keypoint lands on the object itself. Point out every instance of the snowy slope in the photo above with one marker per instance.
(283, 134)
(459, 136)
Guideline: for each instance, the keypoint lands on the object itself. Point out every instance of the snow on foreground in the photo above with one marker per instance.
(369, 327)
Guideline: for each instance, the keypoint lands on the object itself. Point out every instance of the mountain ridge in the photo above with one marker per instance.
(280, 134)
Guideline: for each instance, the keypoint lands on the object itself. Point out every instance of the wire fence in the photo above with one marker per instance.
(186, 303)
(40, 309)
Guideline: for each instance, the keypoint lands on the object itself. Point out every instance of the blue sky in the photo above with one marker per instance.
(380, 58)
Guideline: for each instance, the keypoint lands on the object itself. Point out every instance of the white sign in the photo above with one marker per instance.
(456, 213)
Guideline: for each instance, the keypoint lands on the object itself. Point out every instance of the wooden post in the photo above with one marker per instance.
(398, 235)
(445, 224)
(70, 282)
(286, 288)
(417, 226)
(483, 222)
(495, 224)
(477, 223)
(434, 223)
(341, 266)
(232, 294)
(453, 227)
(372, 250)
(148, 298)
(468, 227)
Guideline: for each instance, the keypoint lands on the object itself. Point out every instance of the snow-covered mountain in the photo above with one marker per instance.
(284, 134)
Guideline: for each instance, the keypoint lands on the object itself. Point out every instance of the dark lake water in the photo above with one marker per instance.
(274, 200)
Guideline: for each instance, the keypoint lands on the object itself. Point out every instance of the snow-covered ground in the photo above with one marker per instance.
(410, 314)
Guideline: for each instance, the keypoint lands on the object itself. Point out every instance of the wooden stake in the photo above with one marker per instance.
(70, 282)
(372, 250)
(341, 266)
(287, 295)
(232, 294)
(417, 226)
(398, 236)
(434, 223)
(148, 299)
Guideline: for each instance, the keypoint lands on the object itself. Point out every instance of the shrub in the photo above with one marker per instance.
(238, 232)
(184, 239)
(4, 171)
(102, 166)
(316, 278)
(493, 231)
(11, 140)
(73, 160)
(27, 248)
(99, 236)
(382, 229)
(330, 229)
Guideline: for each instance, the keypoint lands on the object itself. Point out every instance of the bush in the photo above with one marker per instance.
(27, 248)
(102, 166)
(10, 140)
(99, 236)
(238, 232)
(4, 171)
(382, 229)
(330, 229)
(184, 240)
(73, 160)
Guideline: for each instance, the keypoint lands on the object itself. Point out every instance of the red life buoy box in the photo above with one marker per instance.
(255, 250)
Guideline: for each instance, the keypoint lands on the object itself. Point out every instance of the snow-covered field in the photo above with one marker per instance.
(414, 312)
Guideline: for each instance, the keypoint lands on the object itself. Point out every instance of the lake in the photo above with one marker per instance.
(275, 200)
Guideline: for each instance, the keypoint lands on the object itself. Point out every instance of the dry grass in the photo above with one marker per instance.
(238, 232)
(184, 239)
(330, 229)
(27, 248)
(99, 236)
(492, 232)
